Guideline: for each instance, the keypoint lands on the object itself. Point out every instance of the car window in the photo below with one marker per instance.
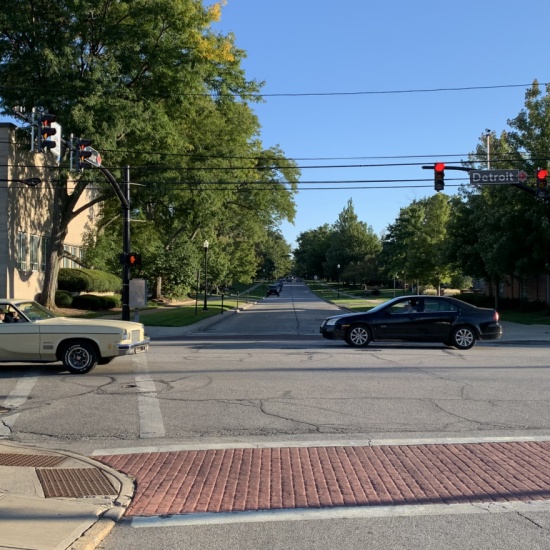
(406, 306)
(438, 305)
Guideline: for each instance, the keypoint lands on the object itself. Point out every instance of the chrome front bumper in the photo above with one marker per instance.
(135, 347)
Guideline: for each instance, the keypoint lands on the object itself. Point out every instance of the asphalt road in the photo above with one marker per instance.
(264, 376)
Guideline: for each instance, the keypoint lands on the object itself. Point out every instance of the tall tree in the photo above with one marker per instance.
(311, 252)
(351, 241)
(142, 79)
(415, 242)
(503, 230)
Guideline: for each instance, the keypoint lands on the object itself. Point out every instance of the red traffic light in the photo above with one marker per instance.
(439, 176)
(542, 174)
(133, 259)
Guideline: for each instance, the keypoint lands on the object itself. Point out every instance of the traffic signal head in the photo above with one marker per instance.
(133, 259)
(542, 183)
(46, 132)
(82, 152)
(439, 176)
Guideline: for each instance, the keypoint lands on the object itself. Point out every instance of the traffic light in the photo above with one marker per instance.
(82, 152)
(46, 132)
(542, 183)
(133, 259)
(439, 176)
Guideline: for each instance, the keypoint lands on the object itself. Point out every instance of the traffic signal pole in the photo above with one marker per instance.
(124, 198)
(126, 247)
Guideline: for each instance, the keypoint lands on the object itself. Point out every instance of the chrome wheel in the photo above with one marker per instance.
(80, 357)
(463, 338)
(358, 336)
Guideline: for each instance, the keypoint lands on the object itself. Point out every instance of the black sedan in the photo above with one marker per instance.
(416, 319)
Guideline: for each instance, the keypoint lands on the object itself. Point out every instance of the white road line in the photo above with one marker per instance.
(15, 399)
(150, 416)
(351, 512)
(329, 443)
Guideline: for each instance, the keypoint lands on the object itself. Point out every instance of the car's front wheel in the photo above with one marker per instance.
(358, 336)
(463, 338)
(80, 357)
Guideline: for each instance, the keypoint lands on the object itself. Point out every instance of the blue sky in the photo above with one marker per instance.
(323, 46)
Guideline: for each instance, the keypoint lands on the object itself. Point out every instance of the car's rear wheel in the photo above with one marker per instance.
(463, 338)
(80, 357)
(358, 336)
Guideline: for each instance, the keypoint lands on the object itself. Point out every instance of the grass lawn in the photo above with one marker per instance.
(184, 315)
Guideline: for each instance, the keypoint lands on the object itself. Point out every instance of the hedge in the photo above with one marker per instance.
(87, 280)
(63, 298)
(96, 303)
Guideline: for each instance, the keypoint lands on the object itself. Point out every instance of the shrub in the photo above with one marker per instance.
(63, 299)
(93, 302)
(87, 301)
(87, 280)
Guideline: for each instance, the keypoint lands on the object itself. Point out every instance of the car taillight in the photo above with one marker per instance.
(496, 317)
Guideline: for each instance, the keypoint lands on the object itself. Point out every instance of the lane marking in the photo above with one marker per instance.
(359, 512)
(150, 416)
(16, 399)
(330, 443)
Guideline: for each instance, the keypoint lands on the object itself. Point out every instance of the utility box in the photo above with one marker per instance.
(138, 293)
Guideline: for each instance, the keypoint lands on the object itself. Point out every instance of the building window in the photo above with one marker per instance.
(44, 242)
(66, 261)
(22, 251)
(35, 249)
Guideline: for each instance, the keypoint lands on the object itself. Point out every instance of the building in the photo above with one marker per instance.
(26, 216)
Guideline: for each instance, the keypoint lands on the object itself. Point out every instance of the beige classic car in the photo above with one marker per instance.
(31, 333)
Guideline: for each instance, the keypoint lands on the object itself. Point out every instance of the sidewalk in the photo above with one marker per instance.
(56, 499)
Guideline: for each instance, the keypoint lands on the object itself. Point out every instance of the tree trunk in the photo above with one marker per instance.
(156, 292)
(60, 228)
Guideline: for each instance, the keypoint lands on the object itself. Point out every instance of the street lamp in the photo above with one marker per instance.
(338, 278)
(205, 245)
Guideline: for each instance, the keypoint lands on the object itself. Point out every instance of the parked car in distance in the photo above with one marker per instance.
(416, 319)
(80, 344)
(273, 290)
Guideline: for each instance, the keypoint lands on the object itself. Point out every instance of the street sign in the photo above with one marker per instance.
(496, 177)
(95, 158)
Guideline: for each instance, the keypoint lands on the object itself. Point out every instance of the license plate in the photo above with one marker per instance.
(141, 349)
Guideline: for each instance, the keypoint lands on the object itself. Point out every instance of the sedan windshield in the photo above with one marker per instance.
(34, 311)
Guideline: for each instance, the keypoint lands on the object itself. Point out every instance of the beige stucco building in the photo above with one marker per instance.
(25, 217)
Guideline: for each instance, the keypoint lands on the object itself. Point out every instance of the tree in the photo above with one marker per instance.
(311, 251)
(415, 242)
(496, 231)
(142, 80)
(350, 241)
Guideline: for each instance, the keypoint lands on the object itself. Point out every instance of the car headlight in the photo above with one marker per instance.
(330, 321)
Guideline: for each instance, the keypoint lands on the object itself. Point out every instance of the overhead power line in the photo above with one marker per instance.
(312, 94)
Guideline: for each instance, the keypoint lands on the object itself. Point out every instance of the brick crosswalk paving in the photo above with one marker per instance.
(223, 480)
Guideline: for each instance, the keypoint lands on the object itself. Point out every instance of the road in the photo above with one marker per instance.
(264, 378)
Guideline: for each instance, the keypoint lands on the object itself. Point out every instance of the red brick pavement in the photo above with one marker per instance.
(319, 477)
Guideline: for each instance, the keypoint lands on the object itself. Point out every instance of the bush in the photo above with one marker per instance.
(95, 303)
(87, 280)
(63, 299)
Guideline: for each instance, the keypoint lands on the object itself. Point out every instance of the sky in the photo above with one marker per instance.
(343, 61)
